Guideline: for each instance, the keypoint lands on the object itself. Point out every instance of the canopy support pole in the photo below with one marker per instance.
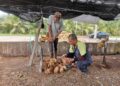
(34, 47)
(40, 51)
(95, 31)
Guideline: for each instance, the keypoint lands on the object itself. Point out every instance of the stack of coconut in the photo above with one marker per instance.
(102, 42)
(64, 36)
(43, 38)
(53, 65)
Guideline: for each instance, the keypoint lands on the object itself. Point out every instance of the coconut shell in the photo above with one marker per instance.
(65, 68)
(59, 60)
(47, 71)
(51, 63)
(46, 60)
(45, 66)
(100, 45)
(56, 70)
(64, 61)
(61, 69)
(60, 65)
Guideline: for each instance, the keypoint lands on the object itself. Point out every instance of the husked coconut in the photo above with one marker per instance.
(63, 61)
(66, 61)
(47, 71)
(56, 69)
(52, 62)
(45, 66)
(59, 60)
(64, 67)
(61, 69)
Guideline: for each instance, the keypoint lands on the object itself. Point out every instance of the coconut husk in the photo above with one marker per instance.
(56, 65)
(66, 61)
(62, 69)
(65, 68)
(59, 60)
(43, 38)
(100, 45)
(49, 70)
(52, 63)
(45, 66)
(56, 69)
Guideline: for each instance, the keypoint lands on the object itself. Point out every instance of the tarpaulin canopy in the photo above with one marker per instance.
(31, 9)
(87, 19)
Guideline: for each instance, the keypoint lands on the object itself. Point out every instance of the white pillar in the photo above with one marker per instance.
(95, 31)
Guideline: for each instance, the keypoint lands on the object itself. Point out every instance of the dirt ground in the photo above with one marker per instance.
(15, 72)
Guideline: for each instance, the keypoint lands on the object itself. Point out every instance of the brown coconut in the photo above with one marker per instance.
(63, 61)
(66, 61)
(65, 68)
(61, 69)
(52, 62)
(56, 69)
(49, 70)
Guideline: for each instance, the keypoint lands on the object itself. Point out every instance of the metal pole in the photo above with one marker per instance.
(95, 31)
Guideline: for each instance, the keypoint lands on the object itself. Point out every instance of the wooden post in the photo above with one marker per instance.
(41, 57)
(37, 47)
(105, 52)
(34, 47)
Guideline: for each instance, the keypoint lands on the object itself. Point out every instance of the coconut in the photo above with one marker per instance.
(61, 69)
(100, 45)
(66, 61)
(56, 69)
(47, 71)
(63, 61)
(65, 68)
(45, 66)
(59, 60)
(52, 62)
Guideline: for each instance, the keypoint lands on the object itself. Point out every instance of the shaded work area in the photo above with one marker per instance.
(21, 73)
(14, 72)
(31, 9)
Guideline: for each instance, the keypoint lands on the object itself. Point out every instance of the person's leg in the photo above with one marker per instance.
(81, 66)
(88, 58)
(55, 46)
(51, 49)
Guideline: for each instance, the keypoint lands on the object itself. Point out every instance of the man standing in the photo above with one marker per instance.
(55, 26)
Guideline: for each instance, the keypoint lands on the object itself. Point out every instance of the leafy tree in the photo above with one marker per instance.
(13, 25)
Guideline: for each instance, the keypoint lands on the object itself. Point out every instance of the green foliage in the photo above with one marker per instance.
(111, 27)
(14, 25)
(78, 28)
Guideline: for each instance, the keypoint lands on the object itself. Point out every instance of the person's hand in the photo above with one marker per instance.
(50, 39)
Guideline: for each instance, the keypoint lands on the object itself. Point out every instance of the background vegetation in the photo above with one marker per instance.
(13, 25)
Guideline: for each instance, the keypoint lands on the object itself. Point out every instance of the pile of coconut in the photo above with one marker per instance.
(52, 65)
(62, 37)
